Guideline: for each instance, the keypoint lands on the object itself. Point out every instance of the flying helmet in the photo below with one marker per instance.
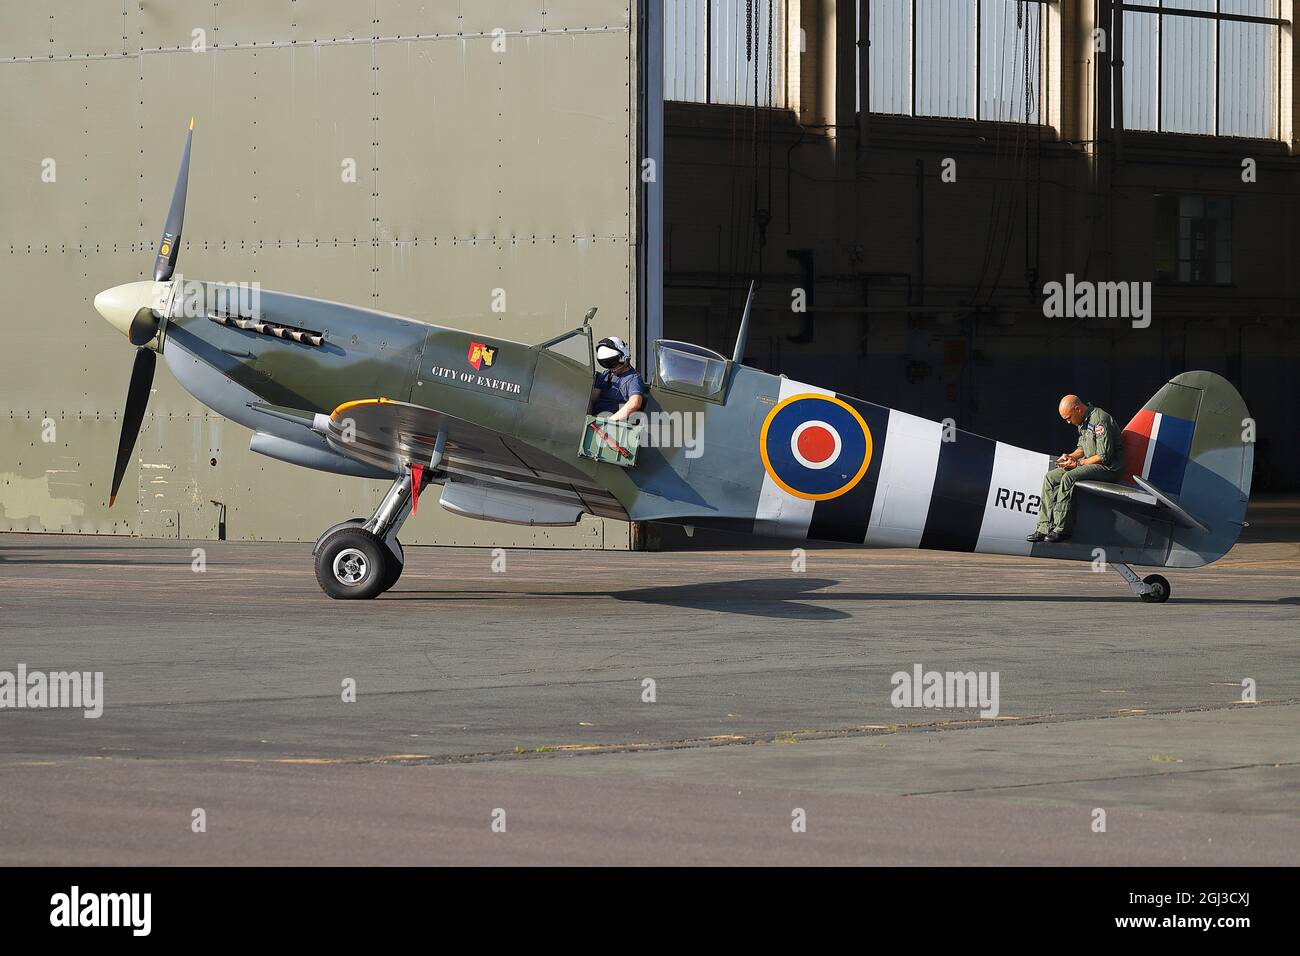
(612, 352)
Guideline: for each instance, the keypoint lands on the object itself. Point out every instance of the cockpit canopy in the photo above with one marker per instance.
(690, 369)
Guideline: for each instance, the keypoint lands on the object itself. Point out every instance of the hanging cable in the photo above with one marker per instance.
(1020, 13)
(1032, 55)
(771, 114)
(1020, 149)
(759, 226)
(749, 30)
(995, 193)
(734, 216)
(1038, 150)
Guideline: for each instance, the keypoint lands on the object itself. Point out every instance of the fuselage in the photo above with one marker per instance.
(925, 484)
(883, 477)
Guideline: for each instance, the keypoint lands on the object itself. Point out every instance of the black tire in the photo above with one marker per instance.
(353, 564)
(355, 522)
(1160, 589)
(394, 571)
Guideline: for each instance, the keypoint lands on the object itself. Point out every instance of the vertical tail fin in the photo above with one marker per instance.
(1194, 441)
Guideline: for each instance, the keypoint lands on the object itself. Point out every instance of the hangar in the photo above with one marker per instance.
(904, 179)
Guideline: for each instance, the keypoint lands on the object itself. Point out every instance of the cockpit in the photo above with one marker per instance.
(680, 367)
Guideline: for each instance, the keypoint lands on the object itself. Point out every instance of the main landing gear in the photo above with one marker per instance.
(1153, 589)
(361, 559)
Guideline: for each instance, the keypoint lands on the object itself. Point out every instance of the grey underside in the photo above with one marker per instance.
(273, 435)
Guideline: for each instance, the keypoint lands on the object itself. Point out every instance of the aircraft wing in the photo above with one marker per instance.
(1146, 497)
(489, 475)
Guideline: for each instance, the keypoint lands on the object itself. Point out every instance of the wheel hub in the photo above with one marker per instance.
(351, 566)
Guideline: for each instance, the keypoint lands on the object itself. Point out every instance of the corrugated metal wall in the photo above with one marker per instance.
(493, 142)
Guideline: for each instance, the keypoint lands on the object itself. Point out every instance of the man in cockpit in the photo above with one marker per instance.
(619, 390)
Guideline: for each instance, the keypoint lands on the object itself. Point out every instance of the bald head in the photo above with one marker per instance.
(1072, 409)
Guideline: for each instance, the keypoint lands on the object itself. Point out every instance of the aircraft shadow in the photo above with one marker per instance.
(136, 555)
(760, 597)
(784, 598)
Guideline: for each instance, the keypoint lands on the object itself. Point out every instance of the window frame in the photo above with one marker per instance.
(1158, 9)
(1177, 195)
(781, 51)
(864, 67)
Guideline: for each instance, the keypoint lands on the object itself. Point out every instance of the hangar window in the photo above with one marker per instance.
(725, 51)
(962, 59)
(1201, 66)
(1193, 239)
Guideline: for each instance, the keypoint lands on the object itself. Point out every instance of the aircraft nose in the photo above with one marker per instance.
(120, 304)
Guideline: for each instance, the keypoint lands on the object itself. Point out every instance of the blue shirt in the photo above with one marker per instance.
(614, 390)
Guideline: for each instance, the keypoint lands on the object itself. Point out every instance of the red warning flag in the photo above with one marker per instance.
(417, 476)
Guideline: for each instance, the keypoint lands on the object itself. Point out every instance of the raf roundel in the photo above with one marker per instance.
(815, 446)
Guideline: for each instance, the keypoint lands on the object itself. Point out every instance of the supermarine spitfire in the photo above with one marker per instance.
(503, 428)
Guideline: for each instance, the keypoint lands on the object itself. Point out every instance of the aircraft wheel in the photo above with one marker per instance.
(353, 564)
(1159, 589)
(394, 570)
(356, 522)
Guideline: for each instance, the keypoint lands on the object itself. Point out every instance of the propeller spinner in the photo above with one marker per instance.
(134, 309)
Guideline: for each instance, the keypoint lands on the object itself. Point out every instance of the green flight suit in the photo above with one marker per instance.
(1098, 435)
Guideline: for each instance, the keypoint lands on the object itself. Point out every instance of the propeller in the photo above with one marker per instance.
(140, 324)
(169, 245)
(137, 397)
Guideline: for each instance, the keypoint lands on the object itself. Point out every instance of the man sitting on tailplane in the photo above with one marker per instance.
(1099, 457)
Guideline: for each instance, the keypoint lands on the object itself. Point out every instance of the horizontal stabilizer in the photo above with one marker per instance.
(1147, 497)
(1168, 504)
(1134, 496)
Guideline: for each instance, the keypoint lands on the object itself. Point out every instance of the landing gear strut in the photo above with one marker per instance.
(1153, 589)
(360, 558)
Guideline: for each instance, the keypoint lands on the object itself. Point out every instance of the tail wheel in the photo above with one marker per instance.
(353, 564)
(1159, 592)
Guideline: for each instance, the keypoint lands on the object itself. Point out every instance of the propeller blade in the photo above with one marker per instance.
(137, 397)
(143, 327)
(171, 237)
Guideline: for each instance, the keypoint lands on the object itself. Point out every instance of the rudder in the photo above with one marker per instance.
(1190, 442)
